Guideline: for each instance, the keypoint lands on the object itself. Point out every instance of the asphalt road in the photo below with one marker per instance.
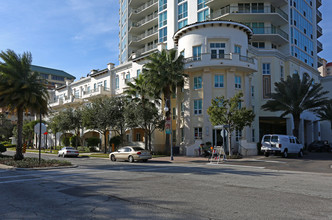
(100, 189)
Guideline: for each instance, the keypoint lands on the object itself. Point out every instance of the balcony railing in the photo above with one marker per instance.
(219, 57)
(98, 89)
(146, 49)
(236, 9)
(270, 30)
(144, 20)
(142, 7)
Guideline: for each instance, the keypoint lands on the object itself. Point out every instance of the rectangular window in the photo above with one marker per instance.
(203, 15)
(162, 5)
(237, 49)
(238, 82)
(217, 50)
(138, 137)
(182, 23)
(257, 7)
(198, 82)
(174, 113)
(105, 84)
(174, 136)
(253, 135)
(94, 87)
(252, 91)
(58, 78)
(260, 45)
(116, 82)
(198, 133)
(163, 19)
(138, 72)
(200, 4)
(238, 135)
(182, 134)
(218, 81)
(183, 10)
(198, 107)
(266, 69)
(197, 53)
(182, 109)
(282, 72)
(163, 35)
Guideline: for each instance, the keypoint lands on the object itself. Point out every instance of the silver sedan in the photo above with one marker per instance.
(131, 154)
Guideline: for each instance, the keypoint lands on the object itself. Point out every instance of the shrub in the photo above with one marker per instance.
(116, 140)
(73, 141)
(92, 141)
(65, 141)
(2, 148)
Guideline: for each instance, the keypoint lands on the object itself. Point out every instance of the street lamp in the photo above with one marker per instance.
(169, 120)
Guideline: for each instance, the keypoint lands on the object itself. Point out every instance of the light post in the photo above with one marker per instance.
(169, 120)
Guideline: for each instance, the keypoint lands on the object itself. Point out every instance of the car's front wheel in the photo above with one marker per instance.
(266, 154)
(131, 159)
(113, 158)
(63, 155)
(285, 154)
(300, 154)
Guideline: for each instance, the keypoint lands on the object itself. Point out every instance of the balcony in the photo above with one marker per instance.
(144, 23)
(319, 46)
(56, 103)
(147, 36)
(318, 3)
(147, 49)
(147, 8)
(215, 4)
(243, 63)
(100, 90)
(273, 34)
(319, 16)
(319, 31)
(265, 14)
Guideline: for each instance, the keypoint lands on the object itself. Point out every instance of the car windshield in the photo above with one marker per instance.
(137, 148)
(69, 148)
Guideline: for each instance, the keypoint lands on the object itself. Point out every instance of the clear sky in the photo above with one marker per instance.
(79, 35)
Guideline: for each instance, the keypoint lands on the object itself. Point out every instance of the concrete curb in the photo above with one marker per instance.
(45, 168)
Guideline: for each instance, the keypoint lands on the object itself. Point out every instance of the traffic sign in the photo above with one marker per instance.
(37, 128)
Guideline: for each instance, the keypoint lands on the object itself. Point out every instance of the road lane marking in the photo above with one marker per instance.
(231, 165)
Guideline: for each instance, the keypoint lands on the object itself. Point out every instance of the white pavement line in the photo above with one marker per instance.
(230, 165)
(270, 161)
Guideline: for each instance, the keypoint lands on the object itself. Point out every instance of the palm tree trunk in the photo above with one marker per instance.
(18, 155)
(296, 119)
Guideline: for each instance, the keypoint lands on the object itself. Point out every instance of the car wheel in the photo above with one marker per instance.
(300, 154)
(131, 159)
(113, 158)
(285, 154)
(266, 154)
(58, 155)
(63, 155)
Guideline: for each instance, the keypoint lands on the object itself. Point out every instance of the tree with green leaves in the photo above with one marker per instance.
(97, 116)
(21, 90)
(140, 92)
(28, 131)
(294, 96)
(54, 126)
(228, 112)
(6, 127)
(325, 112)
(119, 124)
(71, 119)
(148, 118)
(165, 72)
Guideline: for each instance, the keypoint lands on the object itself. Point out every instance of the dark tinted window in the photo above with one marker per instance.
(137, 148)
(267, 138)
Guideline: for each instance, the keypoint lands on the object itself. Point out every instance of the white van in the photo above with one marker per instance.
(283, 144)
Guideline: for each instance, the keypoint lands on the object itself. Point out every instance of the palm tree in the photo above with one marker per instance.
(20, 90)
(294, 96)
(141, 91)
(325, 113)
(165, 72)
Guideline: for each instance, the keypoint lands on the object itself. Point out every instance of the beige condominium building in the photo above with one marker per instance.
(229, 46)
